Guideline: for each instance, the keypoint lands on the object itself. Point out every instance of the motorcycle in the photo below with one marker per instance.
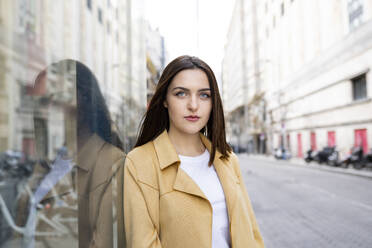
(368, 159)
(311, 155)
(355, 159)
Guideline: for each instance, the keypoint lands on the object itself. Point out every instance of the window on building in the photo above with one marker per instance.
(273, 21)
(282, 9)
(89, 4)
(266, 8)
(359, 86)
(355, 11)
(108, 27)
(108, 3)
(100, 17)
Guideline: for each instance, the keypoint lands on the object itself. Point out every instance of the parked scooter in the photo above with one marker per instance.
(368, 159)
(355, 158)
(311, 155)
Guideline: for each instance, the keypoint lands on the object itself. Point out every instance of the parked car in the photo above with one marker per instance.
(328, 155)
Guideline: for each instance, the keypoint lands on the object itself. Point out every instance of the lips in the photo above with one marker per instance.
(192, 118)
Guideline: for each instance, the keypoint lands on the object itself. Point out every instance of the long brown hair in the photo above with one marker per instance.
(92, 110)
(156, 118)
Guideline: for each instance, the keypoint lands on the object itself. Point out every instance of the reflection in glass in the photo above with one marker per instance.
(62, 190)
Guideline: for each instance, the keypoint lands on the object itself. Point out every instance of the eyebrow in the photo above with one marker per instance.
(185, 89)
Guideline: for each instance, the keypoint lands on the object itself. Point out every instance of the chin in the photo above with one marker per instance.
(192, 130)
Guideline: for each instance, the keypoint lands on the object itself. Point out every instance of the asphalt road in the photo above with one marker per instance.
(299, 207)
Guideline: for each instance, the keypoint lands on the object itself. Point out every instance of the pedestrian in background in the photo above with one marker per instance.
(182, 183)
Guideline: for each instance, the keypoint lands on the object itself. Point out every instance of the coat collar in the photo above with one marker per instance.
(167, 154)
(88, 154)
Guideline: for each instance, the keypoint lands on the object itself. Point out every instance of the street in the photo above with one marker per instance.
(299, 207)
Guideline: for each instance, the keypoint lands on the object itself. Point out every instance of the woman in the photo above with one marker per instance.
(92, 145)
(182, 182)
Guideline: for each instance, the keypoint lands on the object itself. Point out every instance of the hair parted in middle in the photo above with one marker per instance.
(156, 118)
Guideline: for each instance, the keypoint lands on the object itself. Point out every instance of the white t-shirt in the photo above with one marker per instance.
(207, 180)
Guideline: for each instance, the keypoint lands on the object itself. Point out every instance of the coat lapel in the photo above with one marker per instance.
(225, 175)
(228, 184)
(167, 156)
(186, 184)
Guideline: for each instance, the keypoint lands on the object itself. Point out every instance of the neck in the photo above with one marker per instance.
(186, 144)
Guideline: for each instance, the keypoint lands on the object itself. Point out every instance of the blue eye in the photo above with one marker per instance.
(204, 95)
(181, 93)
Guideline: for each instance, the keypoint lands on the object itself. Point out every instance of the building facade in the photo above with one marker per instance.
(315, 60)
(107, 36)
(156, 57)
(242, 79)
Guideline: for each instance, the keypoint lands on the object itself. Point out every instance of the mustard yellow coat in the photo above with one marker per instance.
(163, 207)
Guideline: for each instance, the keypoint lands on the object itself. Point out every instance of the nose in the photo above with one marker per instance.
(193, 103)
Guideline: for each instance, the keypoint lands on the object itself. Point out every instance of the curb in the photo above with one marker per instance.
(367, 173)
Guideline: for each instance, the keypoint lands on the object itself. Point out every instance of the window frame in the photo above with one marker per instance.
(359, 87)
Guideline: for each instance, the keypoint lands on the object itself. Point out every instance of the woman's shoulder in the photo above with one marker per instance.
(141, 162)
(142, 152)
(233, 160)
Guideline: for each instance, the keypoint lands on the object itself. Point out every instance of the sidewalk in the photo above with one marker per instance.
(313, 165)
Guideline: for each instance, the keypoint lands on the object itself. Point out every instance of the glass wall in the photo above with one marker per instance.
(72, 80)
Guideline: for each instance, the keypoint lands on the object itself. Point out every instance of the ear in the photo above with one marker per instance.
(165, 104)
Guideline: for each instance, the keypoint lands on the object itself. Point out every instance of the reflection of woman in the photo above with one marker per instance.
(99, 158)
(100, 154)
(182, 183)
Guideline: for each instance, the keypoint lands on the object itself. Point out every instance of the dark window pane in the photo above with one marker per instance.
(359, 85)
(89, 4)
(100, 18)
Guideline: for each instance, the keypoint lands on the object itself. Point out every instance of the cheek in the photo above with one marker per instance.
(175, 109)
(207, 107)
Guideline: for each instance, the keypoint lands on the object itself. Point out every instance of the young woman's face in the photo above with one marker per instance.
(188, 101)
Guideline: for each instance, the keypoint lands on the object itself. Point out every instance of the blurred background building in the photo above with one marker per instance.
(107, 36)
(111, 37)
(156, 57)
(296, 74)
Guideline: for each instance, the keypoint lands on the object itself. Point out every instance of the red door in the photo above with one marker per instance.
(331, 138)
(360, 138)
(299, 145)
(313, 140)
(28, 146)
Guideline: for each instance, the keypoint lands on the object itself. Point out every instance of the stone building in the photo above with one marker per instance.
(314, 60)
(107, 36)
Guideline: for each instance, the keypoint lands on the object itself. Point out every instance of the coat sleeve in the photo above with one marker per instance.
(256, 231)
(140, 229)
